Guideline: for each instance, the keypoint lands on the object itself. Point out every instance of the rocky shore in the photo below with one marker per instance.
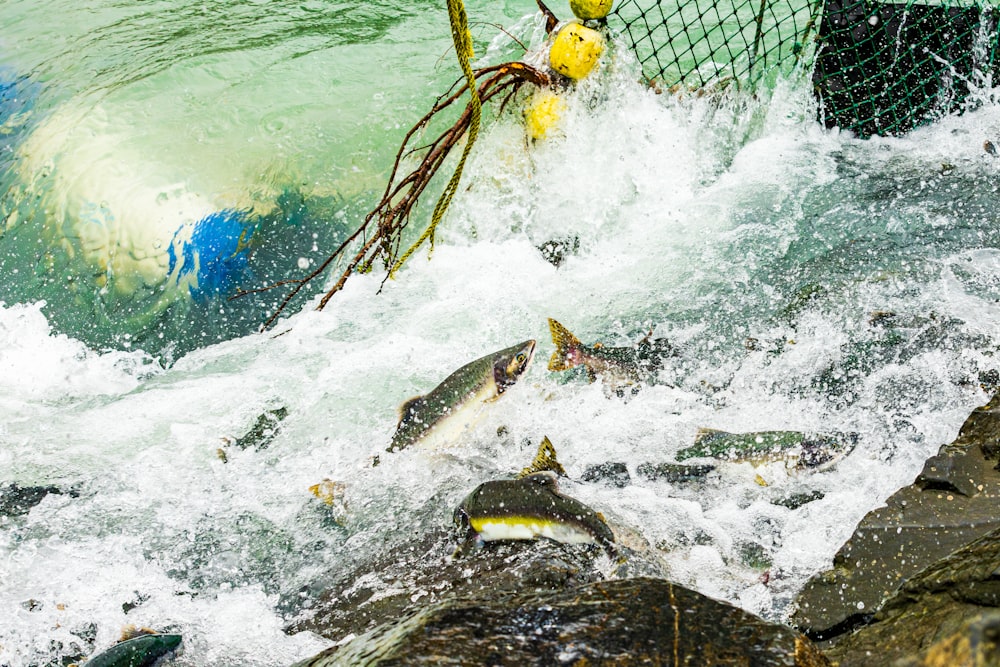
(917, 584)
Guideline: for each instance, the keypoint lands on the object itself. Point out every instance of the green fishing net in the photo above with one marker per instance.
(876, 68)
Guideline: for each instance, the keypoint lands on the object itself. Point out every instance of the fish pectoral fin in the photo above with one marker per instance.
(408, 407)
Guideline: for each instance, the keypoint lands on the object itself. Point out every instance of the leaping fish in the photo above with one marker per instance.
(619, 367)
(444, 413)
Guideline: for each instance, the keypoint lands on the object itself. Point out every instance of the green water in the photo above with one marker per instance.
(808, 280)
(289, 112)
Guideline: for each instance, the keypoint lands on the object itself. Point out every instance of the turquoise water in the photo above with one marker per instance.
(131, 124)
(809, 280)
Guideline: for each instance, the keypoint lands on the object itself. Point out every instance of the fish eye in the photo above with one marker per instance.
(521, 357)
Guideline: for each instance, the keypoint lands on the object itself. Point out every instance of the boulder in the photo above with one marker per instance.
(423, 571)
(953, 502)
(948, 614)
(637, 621)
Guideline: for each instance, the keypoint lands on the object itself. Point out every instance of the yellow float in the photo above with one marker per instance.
(543, 112)
(575, 50)
(590, 9)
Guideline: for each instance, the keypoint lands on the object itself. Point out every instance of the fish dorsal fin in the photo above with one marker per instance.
(565, 342)
(545, 460)
(408, 407)
(132, 631)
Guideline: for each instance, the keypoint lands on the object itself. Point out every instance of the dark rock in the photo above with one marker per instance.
(797, 500)
(975, 644)
(556, 250)
(613, 473)
(423, 572)
(137, 601)
(953, 502)
(18, 500)
(946, 611)
(637, 621)
(674, 473)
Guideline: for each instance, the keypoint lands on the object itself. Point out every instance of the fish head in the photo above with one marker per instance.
(510, 364)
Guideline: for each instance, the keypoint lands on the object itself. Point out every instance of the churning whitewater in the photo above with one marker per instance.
(805, 280)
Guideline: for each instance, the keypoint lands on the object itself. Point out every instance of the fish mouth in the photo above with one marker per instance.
(531, 354)
(508, 369)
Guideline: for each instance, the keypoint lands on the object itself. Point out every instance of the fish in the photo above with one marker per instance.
(529, 508)
(452, 407)
(619, 367)
(804, 451)
(142, 650)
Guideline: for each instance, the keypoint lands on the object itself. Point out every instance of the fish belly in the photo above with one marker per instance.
(461, 419)
(530, 530)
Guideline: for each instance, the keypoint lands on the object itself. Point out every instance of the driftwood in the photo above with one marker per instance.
(381, 231)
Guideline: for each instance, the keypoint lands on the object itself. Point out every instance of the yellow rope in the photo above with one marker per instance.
(463, 47)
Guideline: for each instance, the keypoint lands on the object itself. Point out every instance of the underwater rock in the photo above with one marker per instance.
(612, 473)
(18, 500)
(421, 572)
(953, 502)
(555, 251)
(622, 622)
(797, 500)
(945, 615)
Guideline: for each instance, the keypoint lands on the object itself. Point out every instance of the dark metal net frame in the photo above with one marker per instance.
(876, 68)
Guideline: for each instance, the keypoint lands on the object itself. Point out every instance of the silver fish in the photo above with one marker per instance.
(454, 405)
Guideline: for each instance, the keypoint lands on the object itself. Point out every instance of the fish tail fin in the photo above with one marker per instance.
(545, 459)
(565, 343)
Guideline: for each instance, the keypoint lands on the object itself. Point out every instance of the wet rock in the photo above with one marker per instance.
(555, 251)
(953, 502)
(623, 622)
(797, 500)
(612, 473)
(18, 500)
(976, 644)
(946, 615)
(423, 572)
(675, 473)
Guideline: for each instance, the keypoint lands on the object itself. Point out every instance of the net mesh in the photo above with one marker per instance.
(877, 68)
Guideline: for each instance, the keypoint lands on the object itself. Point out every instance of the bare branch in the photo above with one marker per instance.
(391, 214)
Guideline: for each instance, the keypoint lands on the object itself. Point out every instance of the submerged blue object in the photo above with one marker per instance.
(216, 256)
(141, 651)
(17, 99)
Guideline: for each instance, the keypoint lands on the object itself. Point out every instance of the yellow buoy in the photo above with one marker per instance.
(590, 9)
(576, 50)
(543, 112)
